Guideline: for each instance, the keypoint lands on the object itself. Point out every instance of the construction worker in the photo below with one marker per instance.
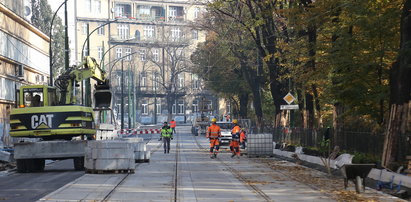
(166, 135)
(235, 139)
(214, 133)
(243, 138)
(173, 125)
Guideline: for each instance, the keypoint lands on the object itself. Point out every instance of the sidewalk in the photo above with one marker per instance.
(196, 177)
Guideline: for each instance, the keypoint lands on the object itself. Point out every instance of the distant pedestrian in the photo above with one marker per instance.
(167, 136)
(173, 125)
(214, 133)
(235, 139)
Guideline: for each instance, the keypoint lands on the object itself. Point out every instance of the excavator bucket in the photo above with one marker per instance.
(102, 96)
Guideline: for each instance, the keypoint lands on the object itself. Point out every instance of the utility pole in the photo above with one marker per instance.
(155, 97)
(122, 94)
(87, 81)
(129, 96)
(134, 96)
(66, 41)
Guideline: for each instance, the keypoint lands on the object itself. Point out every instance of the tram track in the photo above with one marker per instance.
(107, 197)
(176, 166)
(238, 175)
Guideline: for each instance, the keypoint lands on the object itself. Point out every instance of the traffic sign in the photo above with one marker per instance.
(288, 107)
(289, 98)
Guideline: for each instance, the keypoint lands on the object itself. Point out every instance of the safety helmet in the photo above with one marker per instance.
(165, 122)
(235, 121)
(213, 120)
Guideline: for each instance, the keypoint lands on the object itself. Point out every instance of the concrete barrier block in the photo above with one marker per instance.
(109, 164)
(5, 156)
(109, 144)
(147, 155)
(139, 155)
(116, 153)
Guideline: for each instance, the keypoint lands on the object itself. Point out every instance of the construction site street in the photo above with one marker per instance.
(188, 174)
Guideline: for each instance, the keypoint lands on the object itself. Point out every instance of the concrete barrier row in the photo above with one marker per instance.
(115, 155)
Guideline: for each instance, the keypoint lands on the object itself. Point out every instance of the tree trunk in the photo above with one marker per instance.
(400, 86)
(243, 105)
(308, 112)
(338, 123)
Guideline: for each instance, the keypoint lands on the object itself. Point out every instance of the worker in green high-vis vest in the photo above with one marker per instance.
(166, 135)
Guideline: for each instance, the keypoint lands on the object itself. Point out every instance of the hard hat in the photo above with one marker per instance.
(213, 120)
(235, 121)
(165, 122)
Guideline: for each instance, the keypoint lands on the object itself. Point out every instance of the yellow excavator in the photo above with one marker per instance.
(39, 113)
(52, 113)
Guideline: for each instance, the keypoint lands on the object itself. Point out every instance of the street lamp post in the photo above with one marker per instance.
(50, 43)
(88, 36)
(87, 81)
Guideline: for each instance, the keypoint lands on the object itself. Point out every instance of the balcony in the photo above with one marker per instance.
(122, 11)
(150, 13)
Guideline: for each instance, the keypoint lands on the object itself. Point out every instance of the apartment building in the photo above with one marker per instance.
(145, 46)
(23, 56)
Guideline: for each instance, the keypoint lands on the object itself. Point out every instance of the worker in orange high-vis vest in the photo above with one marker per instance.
(173, 125)
(243, 138)
(235, 139)
(214, 133)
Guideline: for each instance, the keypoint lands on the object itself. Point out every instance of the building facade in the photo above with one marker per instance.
(23, 56)
(145, 46)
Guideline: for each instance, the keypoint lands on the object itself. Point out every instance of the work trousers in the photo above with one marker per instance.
(235, 147)
(166, 144)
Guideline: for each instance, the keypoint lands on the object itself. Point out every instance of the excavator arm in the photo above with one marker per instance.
(89, 68)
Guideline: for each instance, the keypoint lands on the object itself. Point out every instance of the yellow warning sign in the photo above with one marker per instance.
(289, 98)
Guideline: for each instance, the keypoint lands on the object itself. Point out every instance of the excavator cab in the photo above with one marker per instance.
(36, 96)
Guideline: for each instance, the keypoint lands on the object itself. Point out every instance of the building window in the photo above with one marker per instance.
(155, 81)
(156, 55)
(196, 12)
(123, 31)
(84, 28)
(143, 81)
(128, 54)
(209, 105)
(123, 10)
(148, 31)
(119, 53)
(172, 11)
(196, 82)
(143, 55)
(181, 81)
(100, 51)
(158, 110)
(195, 34)
(100, 30)
(97, 6)
(175, 33)
(143, 11)
(195, 105)
(88, 5)
(180, 109)
(144, 109)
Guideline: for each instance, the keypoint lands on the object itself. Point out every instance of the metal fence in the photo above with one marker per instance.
(354, 140)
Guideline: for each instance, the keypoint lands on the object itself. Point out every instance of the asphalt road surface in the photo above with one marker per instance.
(24, 187)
